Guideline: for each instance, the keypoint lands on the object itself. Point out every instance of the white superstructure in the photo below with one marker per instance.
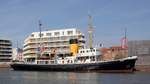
(50, 40)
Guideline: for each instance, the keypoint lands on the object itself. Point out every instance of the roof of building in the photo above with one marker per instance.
(56, 29)
(4, 38)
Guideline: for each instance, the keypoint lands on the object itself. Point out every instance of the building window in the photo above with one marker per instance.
(78, 32)
(32, 35)
(83, 51)
(70, 32)
(62, 33)
(56, 33)
(48, 34)
(41, 35)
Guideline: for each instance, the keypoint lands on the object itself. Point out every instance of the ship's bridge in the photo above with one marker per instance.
(89, 52)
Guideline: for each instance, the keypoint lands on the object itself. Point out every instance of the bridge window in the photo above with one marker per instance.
(48, 34)
(83, 51)
(32, 35)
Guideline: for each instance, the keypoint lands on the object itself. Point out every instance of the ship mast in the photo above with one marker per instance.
(90, 31)
(124, 40)
(124, 43)
(40, 26)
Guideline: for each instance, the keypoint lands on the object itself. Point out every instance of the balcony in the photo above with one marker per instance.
(6, 50)
(29, 52)
(5, 54)
(5, 46)
(6, 43)
(5, 57)
(30, 47)
(29, 56)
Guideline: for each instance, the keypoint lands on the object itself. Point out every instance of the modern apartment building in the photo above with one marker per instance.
(140, 48)
(5, 50)
(50, 40)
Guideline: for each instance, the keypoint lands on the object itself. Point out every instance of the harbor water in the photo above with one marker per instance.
(8, 76)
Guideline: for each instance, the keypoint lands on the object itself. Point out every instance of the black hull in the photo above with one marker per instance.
(120, 65)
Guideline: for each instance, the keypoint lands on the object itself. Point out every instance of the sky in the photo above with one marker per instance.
(19, 18)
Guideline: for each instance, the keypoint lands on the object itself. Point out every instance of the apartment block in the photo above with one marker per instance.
(51, 40)
(5, 50)
(140, 48)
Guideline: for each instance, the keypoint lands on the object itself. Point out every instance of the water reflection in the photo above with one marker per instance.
(72, 78)
(33, 77)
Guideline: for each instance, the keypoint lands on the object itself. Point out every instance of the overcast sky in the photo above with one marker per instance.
(19, 18)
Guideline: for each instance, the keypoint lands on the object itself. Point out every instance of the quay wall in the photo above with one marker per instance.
(143, 63)
(4, 65)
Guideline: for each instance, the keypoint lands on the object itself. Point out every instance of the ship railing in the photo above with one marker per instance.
(30, 63)
(86, 61)
(45, 61)
(131, 57)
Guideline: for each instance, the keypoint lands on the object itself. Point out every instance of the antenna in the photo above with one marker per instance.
(90, 31)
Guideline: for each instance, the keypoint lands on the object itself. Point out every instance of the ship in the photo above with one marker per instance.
(85, 59)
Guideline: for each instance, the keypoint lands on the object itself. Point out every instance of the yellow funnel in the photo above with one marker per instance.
(74, 46)
(74, 49)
